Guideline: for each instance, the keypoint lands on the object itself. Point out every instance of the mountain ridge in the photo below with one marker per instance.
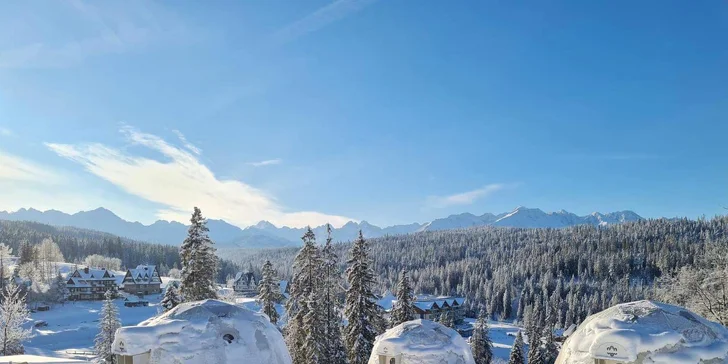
(265, 234)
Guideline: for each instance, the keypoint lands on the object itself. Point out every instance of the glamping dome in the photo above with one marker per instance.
(646, 332)
(207, 331)
(421, 342)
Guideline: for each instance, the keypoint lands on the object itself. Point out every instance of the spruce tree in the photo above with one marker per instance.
(171, 298)
(59, 289)
(517, 351)
(360, 309)
(447, 319)
(334, 344)
(550, 349)
(535, 352)
(108, 325)
(13, 314)
(480, 342)
(402, 310)
(305, 319)
(199, 263)
(269, 292)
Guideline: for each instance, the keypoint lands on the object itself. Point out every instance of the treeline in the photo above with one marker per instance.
(77, 244)
(569, 272)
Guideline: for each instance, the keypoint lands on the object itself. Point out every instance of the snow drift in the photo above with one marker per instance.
(421, 342)
(207, 331)
(646, 332)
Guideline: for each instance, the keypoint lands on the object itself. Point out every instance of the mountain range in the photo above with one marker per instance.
(265, 235)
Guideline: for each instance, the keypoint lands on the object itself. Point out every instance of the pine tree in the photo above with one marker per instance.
(199, 263)
(402, 310)
(447, 319)
(59, 289)
(13, 313)
(269, 292)
(107, 329)
(535, 352)
(360, 309)
(517, 351)
(480, 342)
(550, 349)
(303, 317)
(334, 344)
(171, 298)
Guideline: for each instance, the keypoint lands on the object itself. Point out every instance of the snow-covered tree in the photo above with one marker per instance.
(13, 313)
(59, 290)
(402, 310)
(335, 352)
(108, 324)
(171, 298)
(535, 351)
(360, 309)
(174, 273)
(305, 285)
(5, 253)
(516, 356)
(480, 342)
(199, 263)
(447, 319)
(269, 292)
(550, 349)
(100, 261)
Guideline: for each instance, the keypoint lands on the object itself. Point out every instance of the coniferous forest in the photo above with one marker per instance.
(542, 275)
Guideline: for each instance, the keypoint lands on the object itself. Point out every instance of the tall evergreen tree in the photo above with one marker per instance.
(550, 349)
(13, 314)
(360, 309)
(480, 342)
(402, 310)
(108, 325)
(171, 298)
(334, 344)
(517, 351)
(199, 262)
(304, 316)
(59, 289)
(269, 292)
(535, 352)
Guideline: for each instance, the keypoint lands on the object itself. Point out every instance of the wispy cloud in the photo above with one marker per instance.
(13, 168)
(109, 29)
(465, 198)
(268, 162)
(180, 181)
(191, 147)
(320, 18)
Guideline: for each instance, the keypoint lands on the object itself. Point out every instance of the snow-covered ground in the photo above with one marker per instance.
(72, 327)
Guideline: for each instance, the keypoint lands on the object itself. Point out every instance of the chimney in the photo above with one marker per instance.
(85, 270)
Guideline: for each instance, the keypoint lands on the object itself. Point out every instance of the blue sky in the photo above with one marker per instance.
(390, 111)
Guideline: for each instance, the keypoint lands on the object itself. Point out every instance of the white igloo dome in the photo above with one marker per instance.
(421, 342)
(206, 331)
(646, 332)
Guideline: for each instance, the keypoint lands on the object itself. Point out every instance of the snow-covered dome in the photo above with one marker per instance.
(421, 342)
(207, 331)
(646, 332)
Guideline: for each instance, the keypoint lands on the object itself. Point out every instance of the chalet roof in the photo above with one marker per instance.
(142, 273)
(94, 273)
(426, 302)
(246, 277)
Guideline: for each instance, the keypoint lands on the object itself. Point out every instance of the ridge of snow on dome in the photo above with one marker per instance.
(646, 332)
(208, 331)
(422, 342)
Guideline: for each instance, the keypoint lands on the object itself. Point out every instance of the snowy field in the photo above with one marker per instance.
(72, 327)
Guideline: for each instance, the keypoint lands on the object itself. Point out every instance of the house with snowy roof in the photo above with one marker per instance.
(245, 283)
(431, 308)
(142, 280)
(90, 284)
